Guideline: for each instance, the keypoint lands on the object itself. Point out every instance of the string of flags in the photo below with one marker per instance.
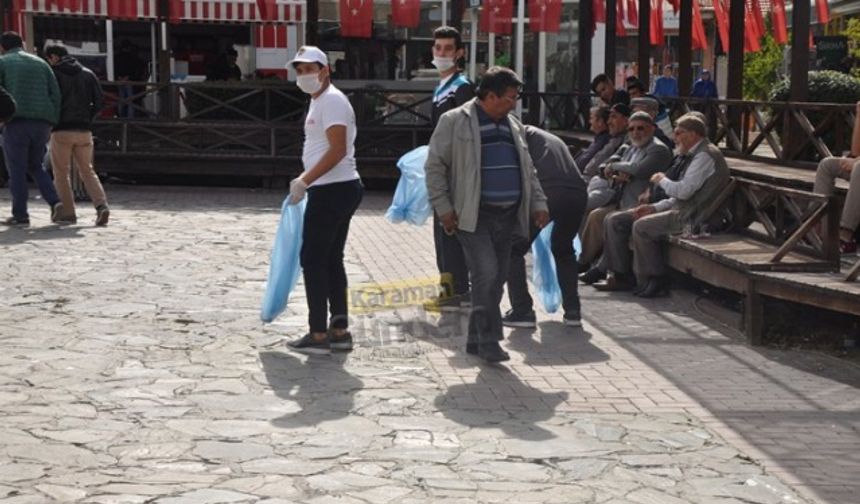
(545, 16)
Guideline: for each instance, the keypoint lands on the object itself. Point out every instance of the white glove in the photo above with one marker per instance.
(298, 188)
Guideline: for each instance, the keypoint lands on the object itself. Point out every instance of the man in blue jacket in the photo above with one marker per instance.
(31, 82)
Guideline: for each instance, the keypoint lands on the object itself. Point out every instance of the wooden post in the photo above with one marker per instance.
(312, 22)
(609, 52)
(457, 14)
(685, 49)
(644, 60)
(735, 87)
(798, 92)
(584, 57)
(166, 97)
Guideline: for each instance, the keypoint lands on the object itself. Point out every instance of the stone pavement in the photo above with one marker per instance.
(134, 369)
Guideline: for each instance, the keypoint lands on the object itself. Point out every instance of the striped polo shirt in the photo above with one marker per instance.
(500, 163)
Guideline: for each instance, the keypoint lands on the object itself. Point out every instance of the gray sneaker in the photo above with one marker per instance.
(102, 215)
(341, 343)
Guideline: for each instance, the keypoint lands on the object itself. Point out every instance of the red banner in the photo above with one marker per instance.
(700, 40)
(122, 9)
(722, 16)
(657, 34)
(70, 5)
(751, 34)
(356, 18)
(632, 12)
(406, 13)
(598, 9)
(676, 5)
(268, 10)
(759, 18)
(620, 30)
(823, 11)
(497, 17)
(545, 15)
(780, 32)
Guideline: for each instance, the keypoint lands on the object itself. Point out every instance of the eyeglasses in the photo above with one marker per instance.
(636, 128)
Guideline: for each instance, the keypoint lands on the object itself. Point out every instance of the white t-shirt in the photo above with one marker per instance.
(329, 109)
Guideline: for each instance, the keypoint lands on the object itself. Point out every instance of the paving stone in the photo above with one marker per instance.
(234, 452)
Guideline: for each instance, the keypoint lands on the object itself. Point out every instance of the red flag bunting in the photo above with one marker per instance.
(122, 9)
(406, 13)
(356, 18)
(268, 10)
(599, 11)
(632, 12)
(657, 34)
(780, 32)
(722, 16)
(700, 40)
(497, 17)
(759, 18)
(823, 11)
(751, 33)
(676, 5)
(545, 15)
(620, 30)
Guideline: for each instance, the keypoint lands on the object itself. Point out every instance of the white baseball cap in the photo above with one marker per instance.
(309, 54)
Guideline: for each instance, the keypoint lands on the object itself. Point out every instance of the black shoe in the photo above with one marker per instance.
(592, 276)
(656, 287)
(572, 319)
(341, 343)
(526, 320)
(56, 211)
(16, 222)
(472, 348)
(616, 283)
(492, 352)
(582, 268)
(310, 345)
(102, 215)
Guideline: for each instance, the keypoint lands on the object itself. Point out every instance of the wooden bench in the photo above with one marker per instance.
(776, 248)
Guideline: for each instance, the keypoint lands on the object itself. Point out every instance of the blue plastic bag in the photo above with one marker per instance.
(284, 269)
(544, 275)
(410, 202)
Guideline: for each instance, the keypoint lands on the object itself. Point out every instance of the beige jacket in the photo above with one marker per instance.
(453, 169)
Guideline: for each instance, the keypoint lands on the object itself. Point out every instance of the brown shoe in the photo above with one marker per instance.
(616, 283)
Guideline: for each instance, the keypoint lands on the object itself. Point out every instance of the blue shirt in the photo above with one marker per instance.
(666, 86)
(705, 89)
(501, 184)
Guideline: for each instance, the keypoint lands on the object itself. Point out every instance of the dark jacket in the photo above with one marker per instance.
(7, 105)
(457, 91)
(81, 95)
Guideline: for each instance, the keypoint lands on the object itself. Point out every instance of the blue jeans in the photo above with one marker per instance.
(488, 254)
(24, 145)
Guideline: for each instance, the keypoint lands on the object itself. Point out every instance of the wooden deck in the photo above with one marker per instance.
(748, 254)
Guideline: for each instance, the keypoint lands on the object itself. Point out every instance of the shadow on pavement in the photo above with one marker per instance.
(319, 386)
(16, 236)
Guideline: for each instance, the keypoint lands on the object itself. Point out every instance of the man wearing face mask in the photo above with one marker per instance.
(334, 192)
(482, 184)
(454, 90)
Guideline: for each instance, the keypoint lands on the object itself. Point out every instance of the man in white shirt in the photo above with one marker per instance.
(334, 192)
(697, 174)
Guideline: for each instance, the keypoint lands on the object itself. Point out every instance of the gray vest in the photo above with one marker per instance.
(692, 210)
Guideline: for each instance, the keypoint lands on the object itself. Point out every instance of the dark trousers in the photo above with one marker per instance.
(25, 142)
(327, 216)
(488, 253)
(450, 258)
(566, 208)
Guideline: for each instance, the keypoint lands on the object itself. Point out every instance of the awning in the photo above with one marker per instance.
(236, 11)
(114, 9)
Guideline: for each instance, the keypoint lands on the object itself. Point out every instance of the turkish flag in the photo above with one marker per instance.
(620, 30)
(544, 15)
(676, 5)
(406, 13)
(722, 23)
(122, 9)
(356, 18)
(780, 32)
(657, 34)
(632, 12)
(751, 33)
(599, 10)
(700, 40)
(823, 11)
(268, 10)
(497, 17)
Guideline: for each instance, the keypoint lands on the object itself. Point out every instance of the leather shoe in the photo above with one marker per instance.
(582, 268)
(492, 352)
(617, 283)
(592, 276)
(472, 348)
(656, 287)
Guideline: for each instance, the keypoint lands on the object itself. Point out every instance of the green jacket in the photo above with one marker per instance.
(30, 80)
(453, 169)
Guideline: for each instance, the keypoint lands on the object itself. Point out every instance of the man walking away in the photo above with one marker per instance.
(31, 83)
(482, 184)
(72, 138)
(566, 195)
(454, 89)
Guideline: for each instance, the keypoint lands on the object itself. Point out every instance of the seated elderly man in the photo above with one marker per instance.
(678, 197)
(598, 123)
(616, 125)
(625, 176)
(847, 168)
(652, 107)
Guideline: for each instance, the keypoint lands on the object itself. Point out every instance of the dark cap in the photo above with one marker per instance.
(620, 108)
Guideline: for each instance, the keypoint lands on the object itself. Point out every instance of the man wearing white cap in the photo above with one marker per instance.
(334, 192)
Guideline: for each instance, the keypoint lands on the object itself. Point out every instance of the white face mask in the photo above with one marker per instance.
(443, 64)
(309, 83)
